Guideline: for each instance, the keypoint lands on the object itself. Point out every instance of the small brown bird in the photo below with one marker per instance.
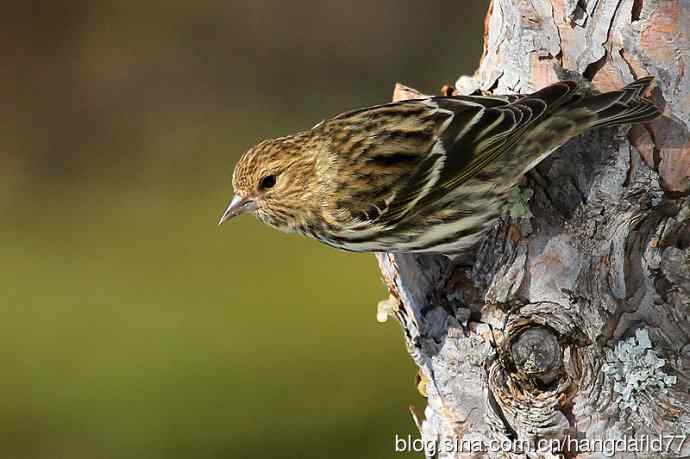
(423, 175)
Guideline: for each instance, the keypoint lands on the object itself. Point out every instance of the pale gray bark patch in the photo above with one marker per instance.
(601, 258)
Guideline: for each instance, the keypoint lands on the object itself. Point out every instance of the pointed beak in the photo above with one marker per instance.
(237, 206)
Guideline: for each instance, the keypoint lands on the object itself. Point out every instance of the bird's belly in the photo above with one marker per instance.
(447, 230)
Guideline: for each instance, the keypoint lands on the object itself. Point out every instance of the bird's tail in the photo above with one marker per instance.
(627, 105)
(575, 115)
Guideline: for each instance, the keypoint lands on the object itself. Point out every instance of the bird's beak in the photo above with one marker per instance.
(237, 206)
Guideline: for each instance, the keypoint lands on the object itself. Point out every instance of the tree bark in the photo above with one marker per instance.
(570, 322)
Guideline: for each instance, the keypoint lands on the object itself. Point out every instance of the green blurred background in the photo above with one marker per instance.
(132, 326)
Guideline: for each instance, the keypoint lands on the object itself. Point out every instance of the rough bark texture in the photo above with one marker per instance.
(571, 320)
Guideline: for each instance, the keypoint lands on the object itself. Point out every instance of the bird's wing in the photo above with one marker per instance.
(477, 132)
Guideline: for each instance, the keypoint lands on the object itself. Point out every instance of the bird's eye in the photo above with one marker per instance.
(267, 182)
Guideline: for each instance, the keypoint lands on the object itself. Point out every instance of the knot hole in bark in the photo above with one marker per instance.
(537, 355)
(535, 375)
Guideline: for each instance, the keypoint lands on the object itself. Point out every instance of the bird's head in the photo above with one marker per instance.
(275, 180)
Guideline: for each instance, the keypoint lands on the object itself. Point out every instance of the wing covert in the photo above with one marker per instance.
(480, 130)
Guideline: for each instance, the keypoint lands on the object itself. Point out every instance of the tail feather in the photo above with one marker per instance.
(627, 105)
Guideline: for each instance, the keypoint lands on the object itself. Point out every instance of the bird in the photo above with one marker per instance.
(428, 175)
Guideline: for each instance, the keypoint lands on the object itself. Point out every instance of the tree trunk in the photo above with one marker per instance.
(568, 328)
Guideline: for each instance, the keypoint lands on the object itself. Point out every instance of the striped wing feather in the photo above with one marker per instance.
(480, 130)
